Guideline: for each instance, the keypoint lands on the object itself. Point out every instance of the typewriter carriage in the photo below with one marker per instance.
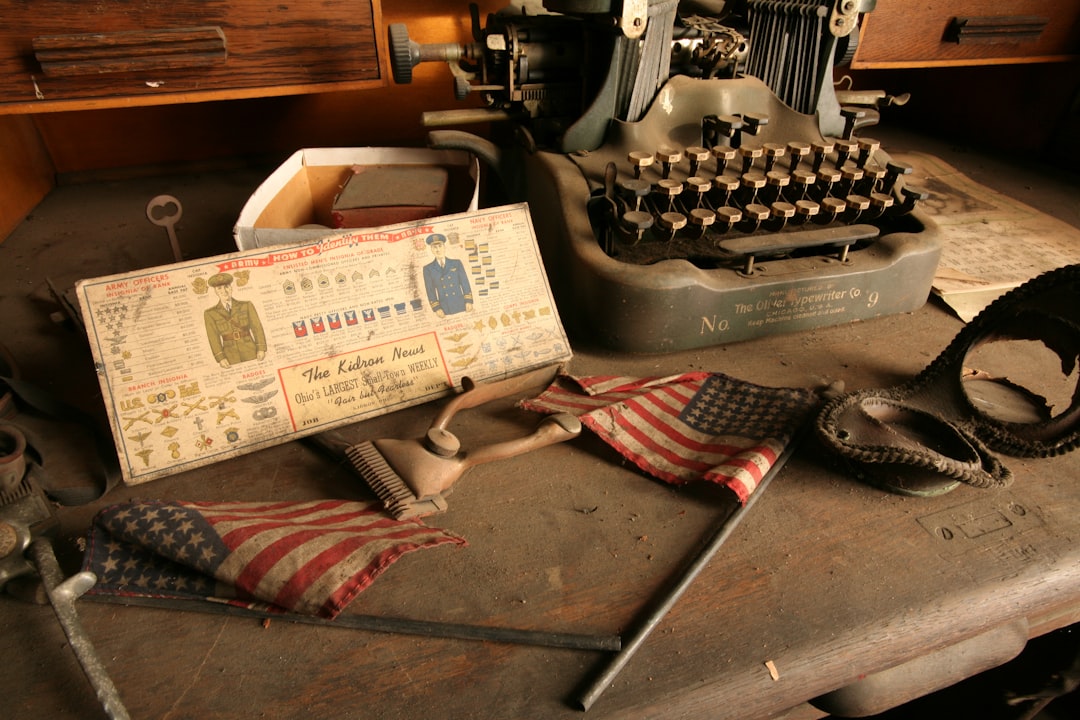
(565, 168)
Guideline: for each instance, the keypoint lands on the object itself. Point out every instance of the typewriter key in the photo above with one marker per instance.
(639, 160)
(821, 150)
(635, 223)
(697, 155)
(672, 222)
(867, 147)
(796, 150)
(723, 155)
(667, 157)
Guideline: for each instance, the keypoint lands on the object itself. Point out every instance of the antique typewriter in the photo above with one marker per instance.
(693, 174)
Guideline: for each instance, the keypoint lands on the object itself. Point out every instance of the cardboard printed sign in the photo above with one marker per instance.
(211, 358)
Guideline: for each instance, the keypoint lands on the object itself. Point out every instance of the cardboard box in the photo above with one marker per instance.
(294, 204)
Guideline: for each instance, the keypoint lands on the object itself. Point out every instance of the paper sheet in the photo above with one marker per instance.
(992, 243)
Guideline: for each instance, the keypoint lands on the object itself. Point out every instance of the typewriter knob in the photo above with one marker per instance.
(462, 88)
(852, 115)
(723, 154)
(867, 147)
(636, 222)
(699, 186)
(773, 152)
(820, 150)
(844, 149)
(702, 218)
(402, 56)
(673, 222)
(797, 150)
(639, 160)
(667, 157)
(893, 170)
(637, 189)
(697, 155)
(749, 155)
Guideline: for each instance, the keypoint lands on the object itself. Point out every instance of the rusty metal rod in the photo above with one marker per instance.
(62, 596)
(719, 533)
(458, 631)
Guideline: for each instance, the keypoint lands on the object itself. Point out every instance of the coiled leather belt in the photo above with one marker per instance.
(927, 435)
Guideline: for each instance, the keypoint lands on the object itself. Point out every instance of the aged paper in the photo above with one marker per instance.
(991, 242)
(207, 359)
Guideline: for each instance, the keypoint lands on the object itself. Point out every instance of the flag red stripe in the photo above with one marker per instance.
(248, 508)
(265, 560)
(725, 454)
(218, 515)
(249, 527)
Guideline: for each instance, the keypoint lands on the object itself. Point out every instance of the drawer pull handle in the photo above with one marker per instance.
(995, 29)
(129, 51)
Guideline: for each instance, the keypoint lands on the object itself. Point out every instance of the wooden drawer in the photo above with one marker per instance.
(269, 49)
(921, 33)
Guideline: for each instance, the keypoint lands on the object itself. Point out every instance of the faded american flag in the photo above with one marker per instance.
(306, 557)
(680, 428)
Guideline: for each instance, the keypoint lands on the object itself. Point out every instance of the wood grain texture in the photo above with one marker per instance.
(131, 51)
(274, 121)
(903, 33)
(304, 45)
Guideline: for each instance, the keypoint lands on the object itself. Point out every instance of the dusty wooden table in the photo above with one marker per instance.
(827, 580)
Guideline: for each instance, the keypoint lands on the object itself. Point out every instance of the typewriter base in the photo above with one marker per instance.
(675, 305)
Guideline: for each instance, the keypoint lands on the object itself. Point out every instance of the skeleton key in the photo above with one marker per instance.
(165, 211)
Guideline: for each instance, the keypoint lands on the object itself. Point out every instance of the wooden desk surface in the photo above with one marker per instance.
(828, 579)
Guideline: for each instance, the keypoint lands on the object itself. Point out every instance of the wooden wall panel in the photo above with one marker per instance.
(26, 173)
(88, 140)
(54, 55)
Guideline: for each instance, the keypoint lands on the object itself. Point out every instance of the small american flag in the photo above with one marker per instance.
(306, 557)
(694, 426)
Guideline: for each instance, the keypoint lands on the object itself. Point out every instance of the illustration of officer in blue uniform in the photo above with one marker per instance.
(446, 280)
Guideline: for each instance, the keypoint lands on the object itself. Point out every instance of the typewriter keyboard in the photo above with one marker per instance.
(733, 200)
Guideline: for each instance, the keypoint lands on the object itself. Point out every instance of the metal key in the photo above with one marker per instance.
(160, 212)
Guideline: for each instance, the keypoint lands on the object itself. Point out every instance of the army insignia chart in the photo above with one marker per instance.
(211, 358)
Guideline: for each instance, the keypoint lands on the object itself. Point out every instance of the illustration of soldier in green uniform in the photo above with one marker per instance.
(233, 326)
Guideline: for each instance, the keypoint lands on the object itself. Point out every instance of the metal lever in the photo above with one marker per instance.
(62, 596)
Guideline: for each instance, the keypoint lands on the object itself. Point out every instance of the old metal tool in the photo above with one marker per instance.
(413, 477)
(165, 211)
(26, 522)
